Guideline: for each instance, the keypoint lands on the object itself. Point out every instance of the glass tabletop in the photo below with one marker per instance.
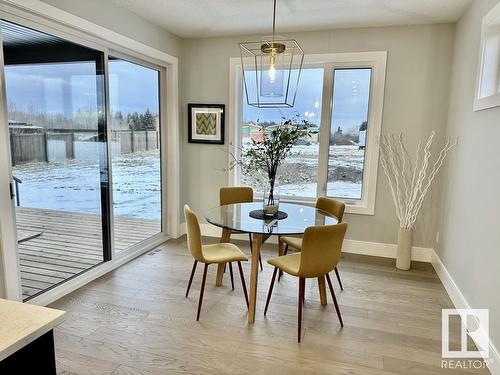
(237, 217)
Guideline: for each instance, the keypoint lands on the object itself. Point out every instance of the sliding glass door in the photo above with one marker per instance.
(55, 100)
(84, 136)
(135, 135)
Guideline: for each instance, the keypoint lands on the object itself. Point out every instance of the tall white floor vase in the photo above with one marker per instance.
(405, 240)
(409, 182)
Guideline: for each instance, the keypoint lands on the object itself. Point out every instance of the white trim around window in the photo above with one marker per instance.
(377, 61)
(488, 70)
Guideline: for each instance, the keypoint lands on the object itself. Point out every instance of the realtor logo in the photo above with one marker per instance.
(475, 323)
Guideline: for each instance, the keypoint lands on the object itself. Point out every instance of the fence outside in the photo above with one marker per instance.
(49, 146)
(135, 141)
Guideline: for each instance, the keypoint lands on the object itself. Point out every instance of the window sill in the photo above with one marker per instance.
(351, 208)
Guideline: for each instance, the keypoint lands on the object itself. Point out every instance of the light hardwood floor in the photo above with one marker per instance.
(136, 320)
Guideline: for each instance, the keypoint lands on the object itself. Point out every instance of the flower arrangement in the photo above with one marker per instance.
(268, 152)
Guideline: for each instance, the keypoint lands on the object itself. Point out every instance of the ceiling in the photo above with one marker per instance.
(207, 18)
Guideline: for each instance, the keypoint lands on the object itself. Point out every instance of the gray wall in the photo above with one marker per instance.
(470, 235)
(121, 20)
(2, 284)
(416, 99)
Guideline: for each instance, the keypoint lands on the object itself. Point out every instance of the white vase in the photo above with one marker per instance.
(405, 239)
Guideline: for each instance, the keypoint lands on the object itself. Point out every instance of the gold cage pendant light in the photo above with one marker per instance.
(271, 70)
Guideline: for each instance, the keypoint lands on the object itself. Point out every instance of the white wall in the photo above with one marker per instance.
(416, 100)
(121, 20)
(470, 225)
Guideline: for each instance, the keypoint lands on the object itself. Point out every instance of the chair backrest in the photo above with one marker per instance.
(332, 206)
(237, 194)
(193, 234)
(321, 247)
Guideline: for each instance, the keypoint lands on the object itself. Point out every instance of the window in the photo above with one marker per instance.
(299, 173)
(341, 97)
(55, 93)
(349, 125)
(488, 79)
(135, 151)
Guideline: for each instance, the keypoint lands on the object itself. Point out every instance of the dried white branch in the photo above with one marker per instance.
(408, 193)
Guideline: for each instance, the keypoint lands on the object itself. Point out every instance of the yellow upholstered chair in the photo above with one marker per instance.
(237, 194)
(210, 254)
(329, 205)
(321, 246)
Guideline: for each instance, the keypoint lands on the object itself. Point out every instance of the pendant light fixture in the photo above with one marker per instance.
(271, 70)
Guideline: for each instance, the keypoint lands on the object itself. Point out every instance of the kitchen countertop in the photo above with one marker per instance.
(22, 323)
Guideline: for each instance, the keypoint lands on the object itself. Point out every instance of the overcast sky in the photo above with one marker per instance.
(350, 99)
(68, 87)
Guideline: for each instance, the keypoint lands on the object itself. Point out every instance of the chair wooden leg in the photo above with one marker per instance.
(231, 273)
(286, 249)
(304, 293)
(301, 298)
(338, 278)
(334, 299)
(191, 277)
(242, 277)
(270, 289)
(202, 290)
(260, 262)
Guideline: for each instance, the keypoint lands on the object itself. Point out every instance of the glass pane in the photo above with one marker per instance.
(348, 132)
(55, 95)
(298, 175)
(135, 151)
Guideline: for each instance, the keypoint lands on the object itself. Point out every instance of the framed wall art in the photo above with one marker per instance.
(206, 123)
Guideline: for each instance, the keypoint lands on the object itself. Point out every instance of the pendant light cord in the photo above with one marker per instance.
(274, 19)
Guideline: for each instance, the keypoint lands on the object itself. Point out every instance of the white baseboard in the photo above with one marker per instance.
(460, 302)
(378, 249)
(385, 250)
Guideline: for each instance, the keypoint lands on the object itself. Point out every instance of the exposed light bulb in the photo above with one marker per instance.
(272, 69)
(272, 73)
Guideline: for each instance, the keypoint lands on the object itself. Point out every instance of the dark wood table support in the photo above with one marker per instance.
(226, 236)
(38, 357)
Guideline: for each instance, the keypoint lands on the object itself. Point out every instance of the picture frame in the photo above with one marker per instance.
(206, 123)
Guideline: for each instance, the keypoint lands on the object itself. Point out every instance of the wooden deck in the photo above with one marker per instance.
(67, 243)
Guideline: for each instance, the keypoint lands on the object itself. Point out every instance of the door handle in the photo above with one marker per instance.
(11, 187)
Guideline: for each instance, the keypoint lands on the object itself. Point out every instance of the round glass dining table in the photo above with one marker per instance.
(236, 218)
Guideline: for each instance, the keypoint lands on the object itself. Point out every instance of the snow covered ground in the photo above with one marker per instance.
(338, 189)
(74, 185)
(298, 176)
